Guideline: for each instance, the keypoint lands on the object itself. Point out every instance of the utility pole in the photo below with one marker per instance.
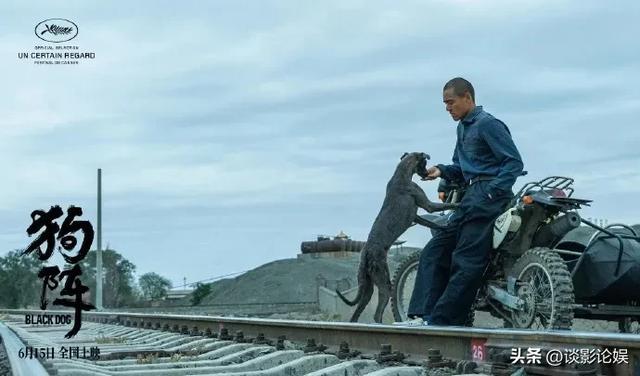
(99, 250)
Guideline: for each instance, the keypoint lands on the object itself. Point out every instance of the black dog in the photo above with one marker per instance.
(398, 213)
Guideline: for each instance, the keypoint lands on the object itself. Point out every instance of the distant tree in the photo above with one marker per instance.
(200, 292)
(20, 286)
(118, 287)
(153, 286)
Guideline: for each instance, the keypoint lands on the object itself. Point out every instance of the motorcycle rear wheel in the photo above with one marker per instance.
(546, 288)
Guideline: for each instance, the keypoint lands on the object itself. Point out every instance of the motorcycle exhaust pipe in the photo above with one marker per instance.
(553, 232)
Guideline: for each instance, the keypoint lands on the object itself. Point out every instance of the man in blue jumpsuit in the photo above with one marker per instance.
(453, 262)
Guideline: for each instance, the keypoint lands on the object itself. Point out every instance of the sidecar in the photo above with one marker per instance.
(605, 267)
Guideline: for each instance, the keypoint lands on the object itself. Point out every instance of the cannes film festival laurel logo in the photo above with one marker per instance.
(56, 30)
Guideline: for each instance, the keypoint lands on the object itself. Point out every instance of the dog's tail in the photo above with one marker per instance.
(347, 301)
(364, 279)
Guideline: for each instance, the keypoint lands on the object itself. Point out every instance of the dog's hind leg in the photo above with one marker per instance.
(383, 282)
(367, 291)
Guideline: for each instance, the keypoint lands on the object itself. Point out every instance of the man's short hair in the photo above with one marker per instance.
(460, 86)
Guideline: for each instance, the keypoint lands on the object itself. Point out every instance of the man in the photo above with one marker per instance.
(454, 260)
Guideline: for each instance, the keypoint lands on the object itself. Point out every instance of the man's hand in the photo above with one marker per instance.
(432, 173)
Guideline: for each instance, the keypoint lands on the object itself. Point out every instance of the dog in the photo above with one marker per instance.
(399, 212)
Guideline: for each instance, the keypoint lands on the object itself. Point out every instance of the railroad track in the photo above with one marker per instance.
(151, 344)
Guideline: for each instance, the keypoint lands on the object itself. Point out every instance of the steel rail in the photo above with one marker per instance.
(19, 367)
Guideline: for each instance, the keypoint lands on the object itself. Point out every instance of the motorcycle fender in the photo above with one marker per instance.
(505, 223)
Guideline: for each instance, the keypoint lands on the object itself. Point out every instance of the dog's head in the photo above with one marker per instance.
(419, 162)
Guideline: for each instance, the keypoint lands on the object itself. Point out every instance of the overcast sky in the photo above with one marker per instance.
(231, 131)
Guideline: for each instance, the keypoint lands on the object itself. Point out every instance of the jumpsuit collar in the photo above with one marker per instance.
(471, 116)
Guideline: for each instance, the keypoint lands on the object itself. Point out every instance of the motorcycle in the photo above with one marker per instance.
(548, 265)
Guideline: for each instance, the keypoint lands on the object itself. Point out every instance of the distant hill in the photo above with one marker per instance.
(291, 280)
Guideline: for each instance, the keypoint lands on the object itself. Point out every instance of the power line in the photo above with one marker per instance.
(213, 278)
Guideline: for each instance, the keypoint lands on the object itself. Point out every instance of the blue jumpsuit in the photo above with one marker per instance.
(453, 262)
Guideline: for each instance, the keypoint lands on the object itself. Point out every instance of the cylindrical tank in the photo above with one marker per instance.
(335, 245)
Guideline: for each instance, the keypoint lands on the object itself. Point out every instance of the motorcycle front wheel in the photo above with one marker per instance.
(402, 284)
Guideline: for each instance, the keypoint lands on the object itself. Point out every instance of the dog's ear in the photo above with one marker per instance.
(404, 155)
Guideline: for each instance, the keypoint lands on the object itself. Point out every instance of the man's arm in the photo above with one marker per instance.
(452, 172)
(497, 136)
